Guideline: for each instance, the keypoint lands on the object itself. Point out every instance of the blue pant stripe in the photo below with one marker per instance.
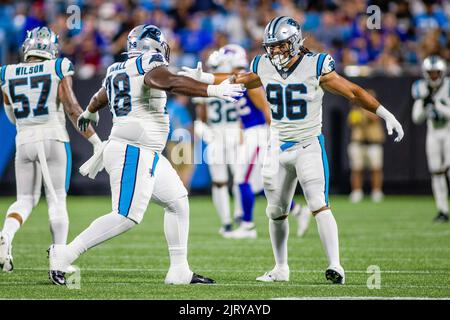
(68, 164)
(128, 180)
(155, 162)
(326, 170)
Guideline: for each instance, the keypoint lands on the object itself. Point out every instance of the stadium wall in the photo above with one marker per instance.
(405, 163)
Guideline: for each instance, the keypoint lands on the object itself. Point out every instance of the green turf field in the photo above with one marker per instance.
(397, 235)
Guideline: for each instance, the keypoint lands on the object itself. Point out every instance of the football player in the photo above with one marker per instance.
(136, 93)
(217, 124)
(36, 93)
(432, 103)
(294, 80)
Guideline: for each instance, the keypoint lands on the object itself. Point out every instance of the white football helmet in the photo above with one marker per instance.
(434, 64)
(234, 56)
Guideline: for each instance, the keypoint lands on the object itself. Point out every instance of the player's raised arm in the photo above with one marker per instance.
(73, 109)
(334, 83)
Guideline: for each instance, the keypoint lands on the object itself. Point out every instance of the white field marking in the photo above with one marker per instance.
(242, 271)
(250, 283)
(358, 298)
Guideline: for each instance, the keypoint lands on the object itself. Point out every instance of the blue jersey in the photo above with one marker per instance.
(250, 115)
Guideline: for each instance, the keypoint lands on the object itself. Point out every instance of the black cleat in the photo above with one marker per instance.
(441, 217)
(196, 278)
(57, 277)
(334, 276)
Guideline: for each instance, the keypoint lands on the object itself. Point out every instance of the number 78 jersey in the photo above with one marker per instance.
(294, 95)
(139, 112)
(32, 90)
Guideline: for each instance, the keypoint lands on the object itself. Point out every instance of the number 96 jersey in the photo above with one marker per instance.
(139, 112)
(294, 95)
(32, 90)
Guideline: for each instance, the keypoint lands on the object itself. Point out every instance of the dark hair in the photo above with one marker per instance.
(304, 50)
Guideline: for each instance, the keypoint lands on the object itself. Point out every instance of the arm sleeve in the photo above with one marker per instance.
(254, 64)
(418, 113)
(63, 68)
(327, 63)
(149, 61)
(9, 113)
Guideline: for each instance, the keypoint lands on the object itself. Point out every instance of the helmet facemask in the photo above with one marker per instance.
(287, 50)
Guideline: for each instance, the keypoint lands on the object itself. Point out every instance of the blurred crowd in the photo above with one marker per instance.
(409, 30)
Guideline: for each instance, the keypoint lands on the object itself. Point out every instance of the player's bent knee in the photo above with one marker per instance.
(179, 206)
(316, 212)
(22, 207)
(316, 204)
(275, 213)
(219, 184)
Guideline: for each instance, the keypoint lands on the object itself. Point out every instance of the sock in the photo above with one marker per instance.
(10, 228)
(328, 232)
(248, 201)
(440, 192)
(100, 230)
(279, 232)
(221, 200)
(176, 230)
(59, 228)
(238, 211)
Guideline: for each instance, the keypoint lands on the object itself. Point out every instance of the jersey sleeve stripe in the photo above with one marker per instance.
(2, 74)
(139, 65)
(320, 62)
(58, 65)
(255, 64)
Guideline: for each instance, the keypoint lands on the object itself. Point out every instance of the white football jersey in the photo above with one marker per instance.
(139, 112)
(32, 90)
(294, 95)
(421, 90)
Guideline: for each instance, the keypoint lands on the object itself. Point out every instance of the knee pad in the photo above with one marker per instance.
(316, 202)
(22, 206)
(275, 212)
(179, 206)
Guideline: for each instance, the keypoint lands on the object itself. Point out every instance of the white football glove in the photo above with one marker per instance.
(391, 123)
(197, 74)
(226, 91)
(86, 118)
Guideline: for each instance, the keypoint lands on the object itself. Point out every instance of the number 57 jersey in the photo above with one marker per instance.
(294, 95)
(32, 90)
(139, 112)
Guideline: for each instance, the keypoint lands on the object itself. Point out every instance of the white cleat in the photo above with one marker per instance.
(6, 259)
(356, 196)
(225, 232)
(303, 220)
(59, 263)
(246, 230)
(277, 274)
(335, 274)
(377, 196)
(178, 275)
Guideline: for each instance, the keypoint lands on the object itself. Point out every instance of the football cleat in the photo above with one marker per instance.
(6, 259)
(356, 196)
(377, 196)
(303, 221)
(225, 231)
(277, 274)
(441, 217)
(57, 277)
(59, 264)
(335, 275)
(246, 230)
(198, 279)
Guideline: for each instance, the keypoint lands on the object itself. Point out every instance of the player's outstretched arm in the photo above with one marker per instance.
(161, 78)
(336, 84)
(249, 79)
(73, 109)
